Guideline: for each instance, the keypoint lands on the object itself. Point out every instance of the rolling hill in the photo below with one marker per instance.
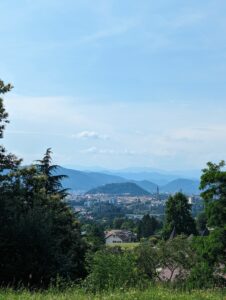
(83, 181)
(125, 188)
(147, 185)
(187, 186)
(79, 181)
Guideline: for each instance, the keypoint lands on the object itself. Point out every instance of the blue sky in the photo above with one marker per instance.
(115, 83)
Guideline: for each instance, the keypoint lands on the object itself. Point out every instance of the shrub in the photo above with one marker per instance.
(113, 268)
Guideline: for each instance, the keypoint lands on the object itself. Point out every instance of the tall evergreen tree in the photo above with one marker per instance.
(178, 216)
(53, 182)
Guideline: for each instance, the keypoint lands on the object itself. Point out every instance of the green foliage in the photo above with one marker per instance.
(178, 216)
(147, 226)
(53, 182)
(174, 257)
(94, 236)
(125, 223)
(201, 276)
(177, 256)
(210, 257)
(3, 114)
(148, 259)
(201, 222)
(213, 184)
(113, 268)
(39, 234)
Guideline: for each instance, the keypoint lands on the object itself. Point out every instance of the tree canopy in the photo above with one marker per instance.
(213, 185)
(40, 236)
(178, 216)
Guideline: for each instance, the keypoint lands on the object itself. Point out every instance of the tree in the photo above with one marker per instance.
(211, 249)
(7, 161)
(178, 216)
(201, 222)
(213, 184)
(166, 260)
(147, 226)
(39, 234)
(176, 258)
(53, 182)
(209, 265)
(94, 235)
(3, 114)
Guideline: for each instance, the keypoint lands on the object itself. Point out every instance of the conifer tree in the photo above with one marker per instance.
(53, 183)
(178, 216)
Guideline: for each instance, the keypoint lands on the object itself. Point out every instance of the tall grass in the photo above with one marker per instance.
(154, 293)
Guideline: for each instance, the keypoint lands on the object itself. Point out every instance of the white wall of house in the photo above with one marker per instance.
(113, 239)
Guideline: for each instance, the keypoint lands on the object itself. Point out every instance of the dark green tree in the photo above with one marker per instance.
(213, 186)
(201, 222)
(39, 234)
(95, 237)
(147, 226)
(178, 216)
(211, 256)
(53, 183)
(3, 114)
(7, 161)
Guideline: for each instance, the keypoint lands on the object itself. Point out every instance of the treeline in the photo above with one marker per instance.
(40, 236)
(41, 240)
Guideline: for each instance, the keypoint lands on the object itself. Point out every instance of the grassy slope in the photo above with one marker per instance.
(124, 245)
(151, 294)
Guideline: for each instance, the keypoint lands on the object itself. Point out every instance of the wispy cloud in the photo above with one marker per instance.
(113, 30)
(108, 151)
(90, 135)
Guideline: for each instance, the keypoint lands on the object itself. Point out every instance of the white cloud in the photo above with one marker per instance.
(90, 150)
(108, 151)
(160, 134)
(90, 135)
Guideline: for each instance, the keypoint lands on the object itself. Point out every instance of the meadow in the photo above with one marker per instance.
(154, 293)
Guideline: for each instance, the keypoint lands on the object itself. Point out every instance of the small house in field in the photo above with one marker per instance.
(119, 236)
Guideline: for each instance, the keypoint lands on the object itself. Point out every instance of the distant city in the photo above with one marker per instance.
(103, 196)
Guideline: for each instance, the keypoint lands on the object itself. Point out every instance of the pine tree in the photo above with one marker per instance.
(53, 183)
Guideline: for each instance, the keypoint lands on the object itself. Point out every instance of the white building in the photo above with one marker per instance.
(119, 236)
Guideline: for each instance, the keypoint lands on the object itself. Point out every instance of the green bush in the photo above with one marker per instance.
(113, 268)
(201, 276)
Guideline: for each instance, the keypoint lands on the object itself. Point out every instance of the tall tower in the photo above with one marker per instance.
(157, 193)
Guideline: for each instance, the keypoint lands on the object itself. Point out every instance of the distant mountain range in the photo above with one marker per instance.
(155, 177)
(83, 181)
(187, 186)
(120, 189)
